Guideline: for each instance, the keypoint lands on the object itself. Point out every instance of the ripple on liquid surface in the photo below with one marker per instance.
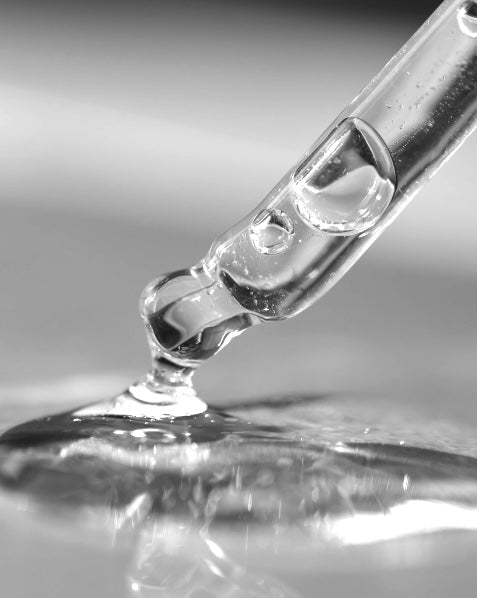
(207, 491)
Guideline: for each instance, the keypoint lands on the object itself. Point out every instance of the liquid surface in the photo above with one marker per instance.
(200, 493)
(303, 460)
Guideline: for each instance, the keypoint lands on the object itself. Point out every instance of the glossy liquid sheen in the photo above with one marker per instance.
(201, 494)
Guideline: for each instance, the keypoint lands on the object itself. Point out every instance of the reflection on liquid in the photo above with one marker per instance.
(206, 498)
(409, 518)
(175, 560)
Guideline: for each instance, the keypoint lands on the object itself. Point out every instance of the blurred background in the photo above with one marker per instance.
(133, 133)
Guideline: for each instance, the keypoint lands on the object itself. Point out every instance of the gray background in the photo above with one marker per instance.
(133, 133)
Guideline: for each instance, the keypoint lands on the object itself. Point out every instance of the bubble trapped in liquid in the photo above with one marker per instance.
(271, 231)
(467, 18)
(347, 183)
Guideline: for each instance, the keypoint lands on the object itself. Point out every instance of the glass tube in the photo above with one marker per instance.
(359, 175)
(331, 206)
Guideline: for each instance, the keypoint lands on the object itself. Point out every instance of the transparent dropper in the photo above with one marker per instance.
(328, 209)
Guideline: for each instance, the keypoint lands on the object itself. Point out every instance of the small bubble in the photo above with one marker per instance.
(467, 18)
(271, 231)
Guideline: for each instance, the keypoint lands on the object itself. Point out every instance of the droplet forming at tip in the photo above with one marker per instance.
(190, 315)
(251, 273)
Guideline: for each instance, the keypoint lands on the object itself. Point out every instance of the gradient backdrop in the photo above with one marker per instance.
(132, 133)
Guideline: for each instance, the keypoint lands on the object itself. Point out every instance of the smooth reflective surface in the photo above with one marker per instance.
(262, 501)
(298, 462)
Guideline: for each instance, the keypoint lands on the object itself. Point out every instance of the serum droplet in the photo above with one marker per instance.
(271, 231)
(467, 18)
(347, 183)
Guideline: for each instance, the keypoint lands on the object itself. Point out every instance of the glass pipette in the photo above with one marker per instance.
(328, 209)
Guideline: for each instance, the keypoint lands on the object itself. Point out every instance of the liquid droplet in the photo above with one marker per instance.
(271, 232)
(189, 317)
(467, 18)
(347, 196)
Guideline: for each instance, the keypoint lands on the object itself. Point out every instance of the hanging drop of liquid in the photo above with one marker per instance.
(271, 231)
(467, 18)
(347, 183)
(190, 316)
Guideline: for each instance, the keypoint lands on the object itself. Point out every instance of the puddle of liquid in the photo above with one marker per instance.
(216, 501)
(268, 467)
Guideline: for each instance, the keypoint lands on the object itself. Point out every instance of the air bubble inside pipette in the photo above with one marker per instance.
(347, 183)
(467, 18)
(271, 231)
